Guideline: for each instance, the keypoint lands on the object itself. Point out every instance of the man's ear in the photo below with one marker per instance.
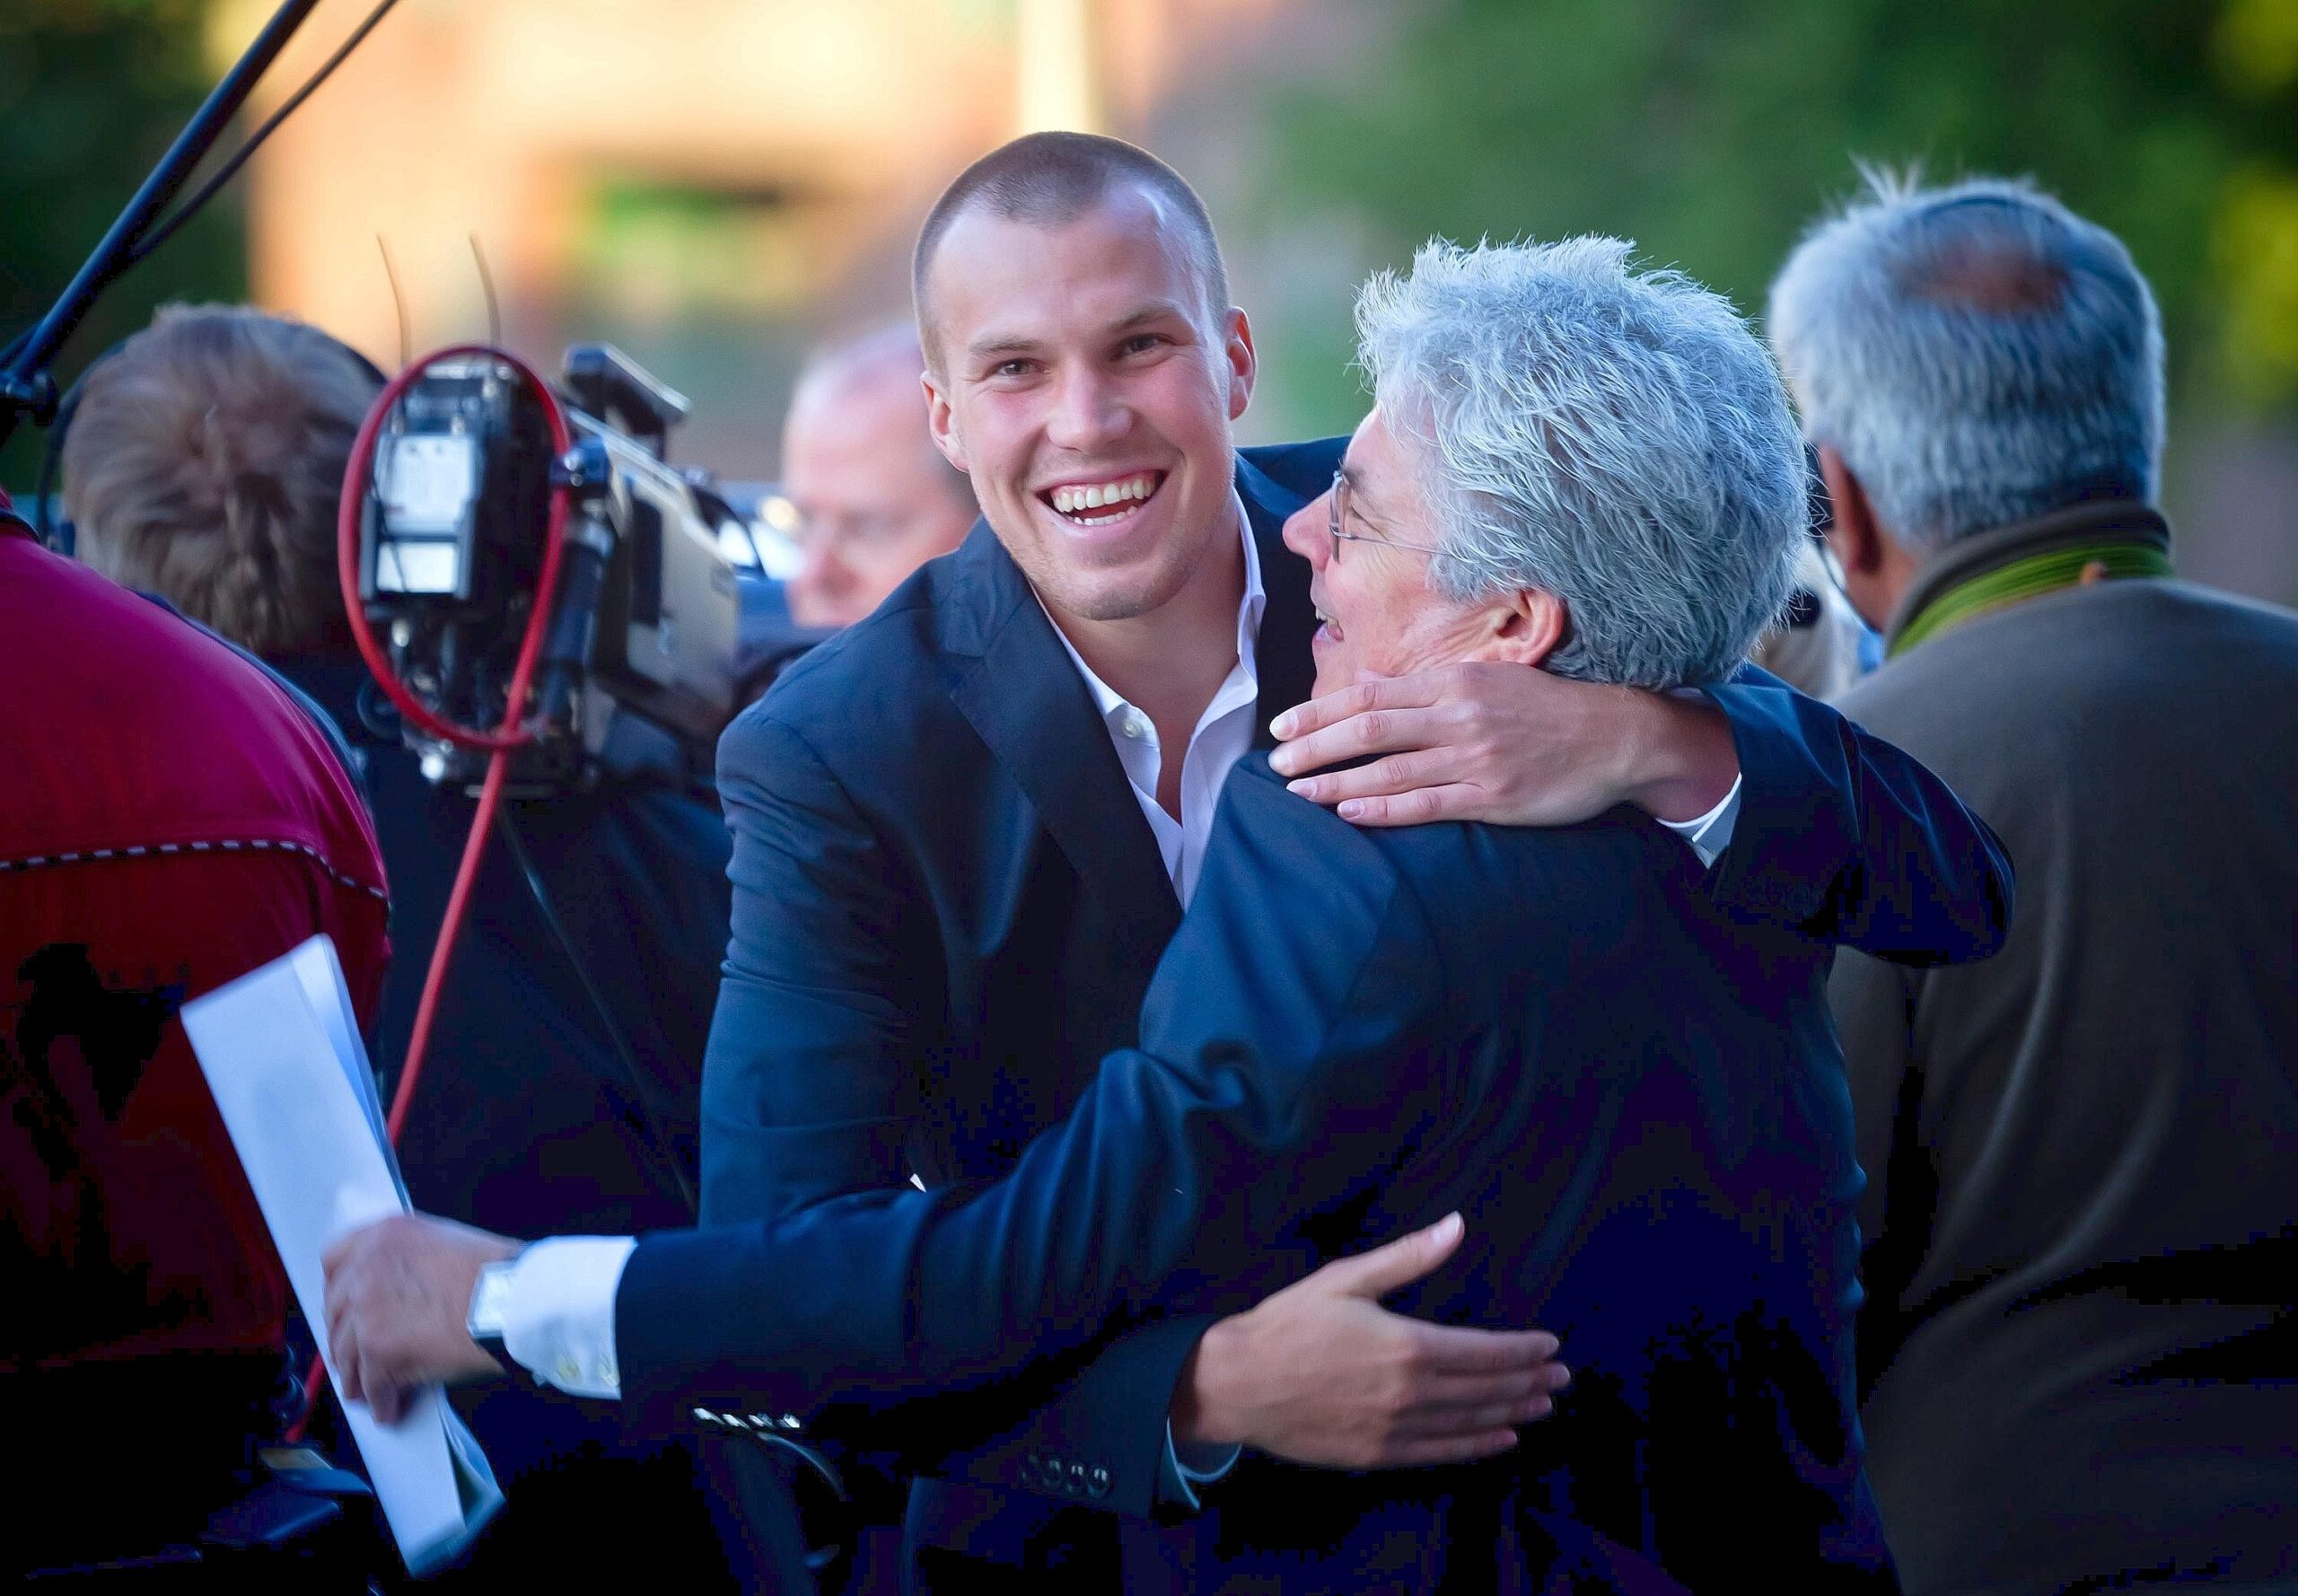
(1527, 626)
(1878, 569)
(942, 424)
(1243, 364)
(1854, 536)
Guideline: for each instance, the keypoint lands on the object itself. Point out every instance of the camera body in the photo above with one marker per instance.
(646, 616)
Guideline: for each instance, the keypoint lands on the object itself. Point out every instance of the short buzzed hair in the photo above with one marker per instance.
(1048, 179)
(205, 461)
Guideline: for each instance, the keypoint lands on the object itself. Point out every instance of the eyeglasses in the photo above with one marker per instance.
(1832, 565)
(1339, 487)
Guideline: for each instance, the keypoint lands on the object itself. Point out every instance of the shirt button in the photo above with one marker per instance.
(1133, 725)
(569, 1371)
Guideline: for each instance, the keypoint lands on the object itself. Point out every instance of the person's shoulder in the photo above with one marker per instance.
(1302, 469)
(2069, 646)
(1909, 691)
(1277, 863)
(1482, 897)
(1442, 861)
(175, 709)
(872, 685)
(1287, 836)
(2269, 626)
(84, 638)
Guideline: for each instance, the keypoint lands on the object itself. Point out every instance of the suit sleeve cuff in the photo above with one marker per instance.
(558, 1313)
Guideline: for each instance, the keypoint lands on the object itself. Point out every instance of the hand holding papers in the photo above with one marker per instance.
(398, 1297)
(285, 1064)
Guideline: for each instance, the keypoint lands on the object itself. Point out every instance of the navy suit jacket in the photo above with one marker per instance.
(948, 906)
(1633, 1094)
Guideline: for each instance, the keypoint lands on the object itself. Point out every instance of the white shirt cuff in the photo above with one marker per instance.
(1178, 1480)
(1711, 833)
(558, 1312)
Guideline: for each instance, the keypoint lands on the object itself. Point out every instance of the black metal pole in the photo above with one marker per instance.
(24, 386)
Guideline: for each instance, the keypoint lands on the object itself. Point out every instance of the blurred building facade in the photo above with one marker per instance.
(715, 185)
(711, 183)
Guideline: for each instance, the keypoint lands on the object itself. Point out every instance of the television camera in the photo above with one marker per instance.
(655, 567)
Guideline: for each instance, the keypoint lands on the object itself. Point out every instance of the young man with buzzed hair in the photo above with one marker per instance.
(966, 828)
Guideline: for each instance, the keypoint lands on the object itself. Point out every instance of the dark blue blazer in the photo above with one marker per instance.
(1572, 1037)
(947, 907)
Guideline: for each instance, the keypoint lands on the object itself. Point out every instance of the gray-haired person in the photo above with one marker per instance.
(2078, 1352)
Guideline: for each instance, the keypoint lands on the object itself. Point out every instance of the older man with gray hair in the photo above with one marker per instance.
(2077, 1353)
(1572, 1040)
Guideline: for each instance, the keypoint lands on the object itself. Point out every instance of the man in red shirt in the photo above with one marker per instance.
(171, 820)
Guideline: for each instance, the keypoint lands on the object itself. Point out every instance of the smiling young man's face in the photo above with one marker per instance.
(1076, 373)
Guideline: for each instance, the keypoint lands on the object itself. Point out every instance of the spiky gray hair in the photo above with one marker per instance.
(1978, 354)
(1615, 437)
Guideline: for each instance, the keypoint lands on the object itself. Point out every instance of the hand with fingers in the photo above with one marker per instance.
(1507, 744)
(1320, 1374)
(397, 1303)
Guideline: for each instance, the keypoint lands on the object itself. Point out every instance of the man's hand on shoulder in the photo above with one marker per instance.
(1505, 744)
(398, 1303)
(1320, 1374)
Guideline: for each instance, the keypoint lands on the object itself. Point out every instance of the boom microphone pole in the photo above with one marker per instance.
(26, 388)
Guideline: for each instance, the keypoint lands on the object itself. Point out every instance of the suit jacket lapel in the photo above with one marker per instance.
(1024, 695)
(1282, 657)
(1017, 686)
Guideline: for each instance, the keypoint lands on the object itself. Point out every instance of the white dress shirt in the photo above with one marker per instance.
(558, 1307)
(1224, 734)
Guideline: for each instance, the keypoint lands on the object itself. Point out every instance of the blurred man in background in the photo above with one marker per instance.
(2077, 1353)
(205, 462)
(171, 820)
(875, 499)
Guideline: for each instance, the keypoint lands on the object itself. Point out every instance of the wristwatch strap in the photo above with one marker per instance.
(488, 1298)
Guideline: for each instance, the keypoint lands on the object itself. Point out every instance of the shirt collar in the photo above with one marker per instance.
(1967, 558)
(1108, 700)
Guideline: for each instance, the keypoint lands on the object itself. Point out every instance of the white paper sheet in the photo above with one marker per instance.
(283, 1060)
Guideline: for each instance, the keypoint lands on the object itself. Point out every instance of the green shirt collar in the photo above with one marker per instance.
(1989, 569)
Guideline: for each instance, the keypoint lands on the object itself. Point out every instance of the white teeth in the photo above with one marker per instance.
(1069, 501)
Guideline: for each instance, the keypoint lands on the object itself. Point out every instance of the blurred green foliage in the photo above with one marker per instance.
(1712, 132)
(91, 91)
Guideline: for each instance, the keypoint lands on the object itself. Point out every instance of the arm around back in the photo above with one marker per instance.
(1272, 1053)
(1853, 840)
